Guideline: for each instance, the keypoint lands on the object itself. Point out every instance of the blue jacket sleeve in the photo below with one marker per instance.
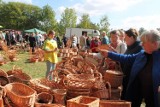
(130, 58)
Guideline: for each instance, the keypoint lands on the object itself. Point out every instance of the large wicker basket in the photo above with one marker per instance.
(83, 101)
(20, 94)
(114, 103)
(114, 78)
(82, 81)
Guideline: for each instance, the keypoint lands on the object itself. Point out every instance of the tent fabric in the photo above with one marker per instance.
(34, 30)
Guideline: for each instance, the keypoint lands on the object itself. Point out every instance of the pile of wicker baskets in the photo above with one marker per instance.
(67, 52)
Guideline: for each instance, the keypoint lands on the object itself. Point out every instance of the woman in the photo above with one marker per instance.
(95, 43)
(116, 43)
(133, 47)
(144, 77)
(50, 56)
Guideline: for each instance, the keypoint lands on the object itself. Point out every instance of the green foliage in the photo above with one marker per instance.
(48, 21)
(15, 15)
(85, 21)
(141, 30)
(68, 19)
(104, 24)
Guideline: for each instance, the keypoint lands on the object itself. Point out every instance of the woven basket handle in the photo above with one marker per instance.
(108, 86)
(65, 81)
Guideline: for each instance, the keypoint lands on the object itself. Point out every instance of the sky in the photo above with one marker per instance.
(122, 14)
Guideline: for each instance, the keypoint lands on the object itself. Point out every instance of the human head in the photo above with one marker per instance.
(51, 34)
(103, 33)
(150, 41)
(131, 36)
(122, 34)
(114, 36)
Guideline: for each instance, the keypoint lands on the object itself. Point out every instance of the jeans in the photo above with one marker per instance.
(50, 67)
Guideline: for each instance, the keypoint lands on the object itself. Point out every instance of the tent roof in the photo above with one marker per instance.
(34, 30)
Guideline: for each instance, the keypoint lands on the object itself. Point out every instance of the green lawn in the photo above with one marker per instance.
(35, 70)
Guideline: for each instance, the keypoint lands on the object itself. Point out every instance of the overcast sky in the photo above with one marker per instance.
(121, 13)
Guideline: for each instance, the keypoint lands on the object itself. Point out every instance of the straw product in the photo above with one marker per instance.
(114, 103)
(82, 81)
(17, 73)
(83, 101)
(3, 73)
(59, 96)
(114, 78)
(20, 94)
(44, 97)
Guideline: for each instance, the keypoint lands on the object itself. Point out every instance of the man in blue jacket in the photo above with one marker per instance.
(145, 74)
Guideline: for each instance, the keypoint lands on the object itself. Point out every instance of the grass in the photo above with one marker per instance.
(35, 70)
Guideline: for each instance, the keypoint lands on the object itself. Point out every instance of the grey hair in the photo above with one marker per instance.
(151, 36)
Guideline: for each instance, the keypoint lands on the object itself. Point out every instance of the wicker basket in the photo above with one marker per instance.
(21, 76)
(59, 96)
(83, 101)
(43, 85)
(13, 78)
(114, 103)
(78, 92)
(115, 79)
(44, 97)
(3, 73)
(115, 93)
(20, 94)
(47, 105)
(82, 81)
(3, 80)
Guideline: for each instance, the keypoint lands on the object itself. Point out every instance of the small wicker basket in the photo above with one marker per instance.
(83, 101)
(44, 97)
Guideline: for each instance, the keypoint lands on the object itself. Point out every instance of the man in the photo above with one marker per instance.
(105, 39)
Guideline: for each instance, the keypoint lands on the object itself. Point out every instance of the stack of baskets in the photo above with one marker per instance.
(67, 52)
(78, 84)
(99, 89)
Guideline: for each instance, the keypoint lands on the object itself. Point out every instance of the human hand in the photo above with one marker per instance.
(103, 52)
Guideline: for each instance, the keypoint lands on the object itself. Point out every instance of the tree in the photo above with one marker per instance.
(104, 24)
(141, 30)
(85, 21)
(68, 19)
(48, 19)
(15, 15)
